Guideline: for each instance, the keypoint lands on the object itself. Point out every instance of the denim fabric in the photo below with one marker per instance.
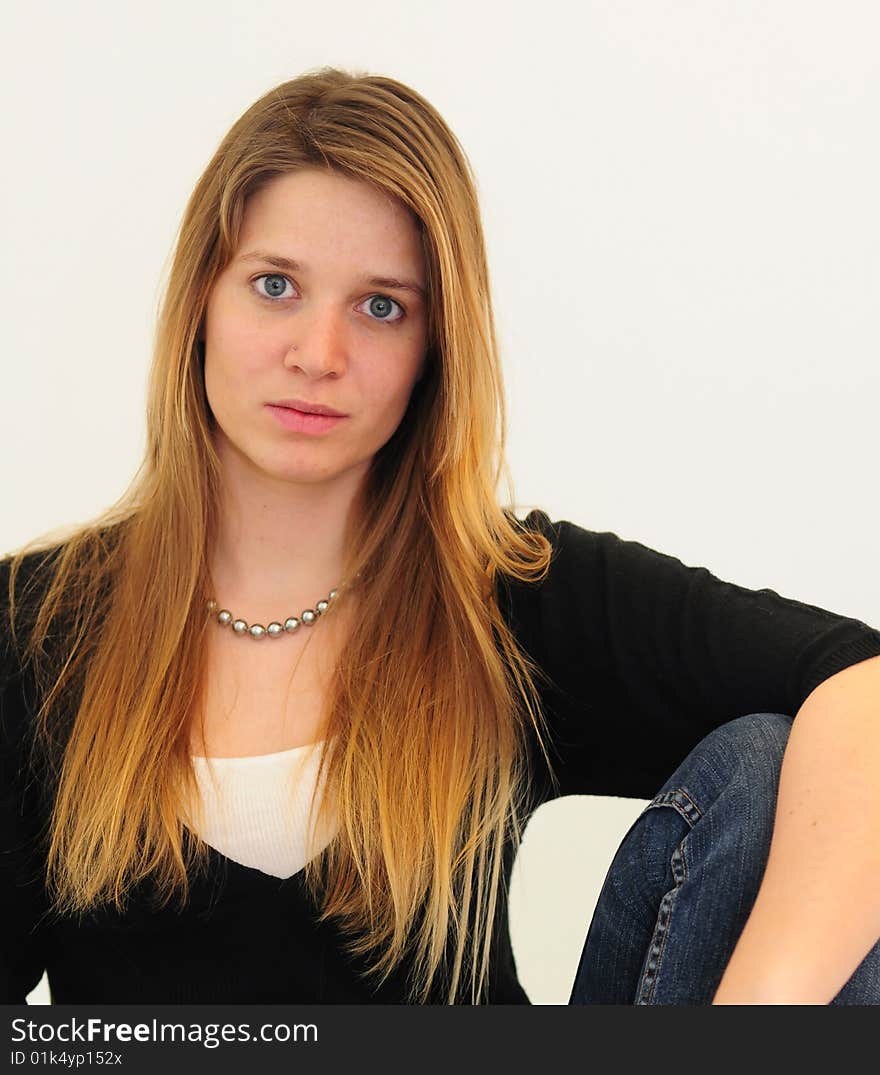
(683, 881)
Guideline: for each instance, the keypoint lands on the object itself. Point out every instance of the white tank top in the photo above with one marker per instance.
(254, 810)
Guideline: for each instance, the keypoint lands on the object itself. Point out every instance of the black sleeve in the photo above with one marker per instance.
(22, 955)
(648, 655)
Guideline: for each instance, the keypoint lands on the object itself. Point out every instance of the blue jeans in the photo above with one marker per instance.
(685, 877)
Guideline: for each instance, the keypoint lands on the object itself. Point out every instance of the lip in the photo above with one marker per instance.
(303, 422)
(305, 407)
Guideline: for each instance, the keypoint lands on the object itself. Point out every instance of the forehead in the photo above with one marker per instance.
(313, 214)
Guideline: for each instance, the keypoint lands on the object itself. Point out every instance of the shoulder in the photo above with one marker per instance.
(590, 564)
(31, 572)
(574, 542)
(581, 558)
(601, 594)
(23, 581)
(574, 578)
(24, 572)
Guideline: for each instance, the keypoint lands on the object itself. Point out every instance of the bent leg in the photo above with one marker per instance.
(684, 880)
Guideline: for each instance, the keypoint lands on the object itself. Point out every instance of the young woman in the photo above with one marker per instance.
(273, 724)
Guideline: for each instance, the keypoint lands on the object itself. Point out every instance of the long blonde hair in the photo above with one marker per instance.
(118, 622)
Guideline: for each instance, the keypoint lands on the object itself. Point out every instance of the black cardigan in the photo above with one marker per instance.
(646, 656)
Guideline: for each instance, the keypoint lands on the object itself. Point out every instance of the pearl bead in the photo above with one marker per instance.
(275, 629)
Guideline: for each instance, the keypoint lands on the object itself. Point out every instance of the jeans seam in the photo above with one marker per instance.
(682, 802)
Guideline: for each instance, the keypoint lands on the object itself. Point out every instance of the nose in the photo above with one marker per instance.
(317, 342)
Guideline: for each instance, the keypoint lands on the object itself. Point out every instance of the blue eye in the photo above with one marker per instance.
(270, 276)
(383, 302)
(380, 303)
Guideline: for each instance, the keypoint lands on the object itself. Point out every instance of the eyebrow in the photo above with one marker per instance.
(297, 266)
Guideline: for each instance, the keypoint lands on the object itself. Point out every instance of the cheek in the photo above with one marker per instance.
(233, 343)
(394, 373)
(230, 366)
(216, 376)
(224, 388)
(390, 392)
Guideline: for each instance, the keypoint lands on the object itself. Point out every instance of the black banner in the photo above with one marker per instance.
(168, 1039)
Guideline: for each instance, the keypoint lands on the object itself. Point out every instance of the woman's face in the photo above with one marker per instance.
(323, 331)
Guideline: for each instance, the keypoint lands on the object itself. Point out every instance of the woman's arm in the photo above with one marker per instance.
(817, 913)
(648, 656)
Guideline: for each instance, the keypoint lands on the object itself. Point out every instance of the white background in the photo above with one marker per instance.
(680, 202)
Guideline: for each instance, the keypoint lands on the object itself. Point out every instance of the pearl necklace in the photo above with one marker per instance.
(308, 616)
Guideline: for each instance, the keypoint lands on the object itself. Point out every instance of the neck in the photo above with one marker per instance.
(279, 546)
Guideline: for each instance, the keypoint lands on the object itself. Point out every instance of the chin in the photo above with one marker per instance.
(304, 470)
(301, 474)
